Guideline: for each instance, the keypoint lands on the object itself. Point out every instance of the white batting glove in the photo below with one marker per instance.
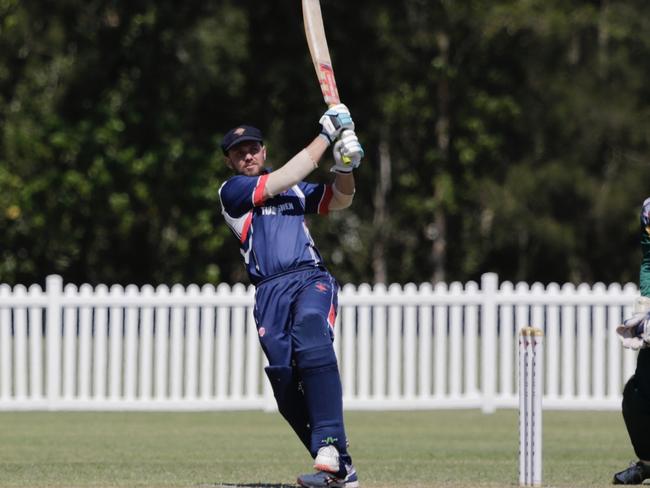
(335, 120)
(635, 331)
(347, 152)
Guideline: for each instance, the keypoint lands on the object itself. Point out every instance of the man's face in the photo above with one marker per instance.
(247, 158)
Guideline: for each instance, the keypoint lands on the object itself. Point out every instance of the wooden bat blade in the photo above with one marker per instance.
(320, 54)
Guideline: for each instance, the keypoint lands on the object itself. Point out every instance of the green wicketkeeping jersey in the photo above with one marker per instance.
(644, 275)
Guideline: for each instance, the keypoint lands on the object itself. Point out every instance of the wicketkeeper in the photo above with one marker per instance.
(635, 334)
(296, 297)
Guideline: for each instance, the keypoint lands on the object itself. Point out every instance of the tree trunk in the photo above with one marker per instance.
(603, 40)
(439, 246)
(380, 219)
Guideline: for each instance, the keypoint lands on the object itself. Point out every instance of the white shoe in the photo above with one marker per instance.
(327, 459)
(321, 479)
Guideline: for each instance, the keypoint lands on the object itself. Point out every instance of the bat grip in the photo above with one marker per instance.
(346, 159)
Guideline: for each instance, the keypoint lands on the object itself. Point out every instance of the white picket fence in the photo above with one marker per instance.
(399, 347)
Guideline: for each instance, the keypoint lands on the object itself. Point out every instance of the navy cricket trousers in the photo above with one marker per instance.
(295, 314)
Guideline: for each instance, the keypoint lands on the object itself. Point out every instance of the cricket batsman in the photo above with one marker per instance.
(635, 334)
(295, 295)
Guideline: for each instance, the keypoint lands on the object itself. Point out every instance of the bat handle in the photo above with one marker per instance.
(346, 159)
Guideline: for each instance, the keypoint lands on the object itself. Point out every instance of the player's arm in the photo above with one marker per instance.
(343, 190)
(635, 331)
(347, 156)
(335, 120)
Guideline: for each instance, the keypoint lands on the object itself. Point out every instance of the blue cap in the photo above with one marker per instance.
(241, 133)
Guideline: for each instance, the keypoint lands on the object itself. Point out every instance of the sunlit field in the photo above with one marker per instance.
(256, 449)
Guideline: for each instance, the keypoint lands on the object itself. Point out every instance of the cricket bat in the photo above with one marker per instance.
(320, 53)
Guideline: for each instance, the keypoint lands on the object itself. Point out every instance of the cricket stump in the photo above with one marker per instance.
(531, 389)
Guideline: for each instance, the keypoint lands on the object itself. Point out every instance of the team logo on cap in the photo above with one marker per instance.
(239, 131)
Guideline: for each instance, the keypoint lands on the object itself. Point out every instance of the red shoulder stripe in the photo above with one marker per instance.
(258, 195)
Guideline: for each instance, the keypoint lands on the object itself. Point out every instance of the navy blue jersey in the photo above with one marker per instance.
(272, 233)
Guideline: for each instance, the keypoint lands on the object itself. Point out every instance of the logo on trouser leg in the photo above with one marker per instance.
(329, 440)
(321, 287)
(331, 317)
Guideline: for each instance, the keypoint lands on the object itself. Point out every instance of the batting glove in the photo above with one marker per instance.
(335, 120)
(635, 331)
(347, 152)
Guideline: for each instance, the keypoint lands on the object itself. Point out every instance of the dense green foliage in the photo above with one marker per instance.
(507, 136)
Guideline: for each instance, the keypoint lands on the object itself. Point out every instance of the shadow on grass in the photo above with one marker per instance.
(245, 485)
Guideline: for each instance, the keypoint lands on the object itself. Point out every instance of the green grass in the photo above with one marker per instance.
(390, 449)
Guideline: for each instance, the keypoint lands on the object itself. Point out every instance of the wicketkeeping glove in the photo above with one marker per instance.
(335, 120)
(347, 152)
(635, 331)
